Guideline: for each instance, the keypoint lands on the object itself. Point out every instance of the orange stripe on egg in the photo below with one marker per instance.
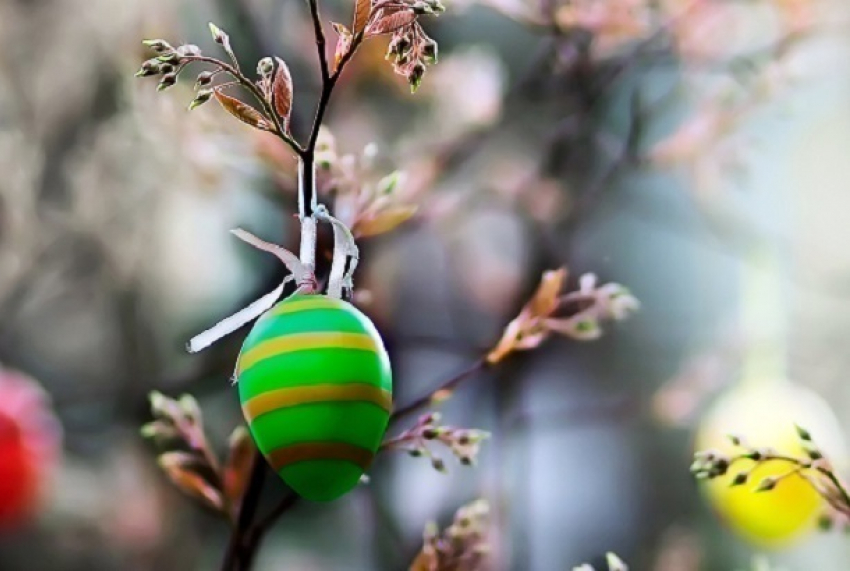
(294, 396)
(307, 342)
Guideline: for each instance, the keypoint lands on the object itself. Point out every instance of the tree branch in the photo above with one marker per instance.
(265, 524)
(256, 92)
(321, 43)
(240, 551)
(329, 81)
(447, 386)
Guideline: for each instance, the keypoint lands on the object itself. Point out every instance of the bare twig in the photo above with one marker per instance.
(442, 390)
(321, 43)
(266, 523)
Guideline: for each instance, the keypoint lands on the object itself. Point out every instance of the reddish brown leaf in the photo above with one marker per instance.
(179, 468)
(282, 89)
(425, 561)
(545, 299)
(390, 23)
(343, 44)
(237, 468)
(441, 396)
(507, 344)
(362, 11)
(177, 459)
(525, 332)
(242, 111)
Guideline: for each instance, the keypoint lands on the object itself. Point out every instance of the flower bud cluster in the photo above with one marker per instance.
(711, 464)
(411, 50)
(464, 443)
(462, 545)
(168, 64)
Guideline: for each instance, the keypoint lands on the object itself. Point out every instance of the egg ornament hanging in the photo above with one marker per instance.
(315, 386)
(313, 375)
(763, 407)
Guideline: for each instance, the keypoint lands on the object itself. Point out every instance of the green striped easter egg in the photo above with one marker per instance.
(316, 389)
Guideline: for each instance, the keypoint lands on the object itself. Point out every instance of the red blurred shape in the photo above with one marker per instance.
(30, 439)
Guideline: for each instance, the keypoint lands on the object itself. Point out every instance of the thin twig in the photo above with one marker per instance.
(321, 43)
(327, 90)
(261, 527)
(329, 80)
(448, 385)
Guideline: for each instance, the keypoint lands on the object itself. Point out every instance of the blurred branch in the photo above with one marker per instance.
(329, 81)
(266, 523)
(442, 392)
(240, 551)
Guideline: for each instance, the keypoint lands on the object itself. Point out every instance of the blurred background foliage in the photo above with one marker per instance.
(651, 143)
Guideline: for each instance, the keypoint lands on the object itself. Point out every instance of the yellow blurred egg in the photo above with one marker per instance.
(764, 414)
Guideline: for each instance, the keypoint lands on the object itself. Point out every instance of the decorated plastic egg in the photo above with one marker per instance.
(315, 386)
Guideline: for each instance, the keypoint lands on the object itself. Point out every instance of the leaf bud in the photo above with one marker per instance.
(429, 51)
(417, 72)
(204, 78)
(149, 68)
(430, 433)
(189, 50)
(739, 480)
(436, 6)
(421, 8)
(170, 57)
(167, 81)
(217, 33)
(767, 484)
(803, 433)
(438, 464)
(159, 46)
(265, 66)
(399, 45)
(203, 96)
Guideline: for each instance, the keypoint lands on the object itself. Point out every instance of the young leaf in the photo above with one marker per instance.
(242, 111)
(545, 299)
(362, 11)
(391, 23)
(281, 91)
(218, 34)
(177, 466)
(525, 331)
(237, 468)
(221, 38)
(343, 44)
(177, 460)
